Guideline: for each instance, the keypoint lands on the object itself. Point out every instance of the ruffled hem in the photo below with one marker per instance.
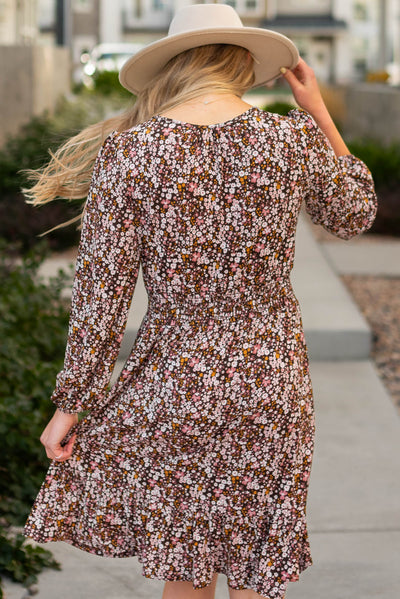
(133, 500)
(192, 546)
(260, 582)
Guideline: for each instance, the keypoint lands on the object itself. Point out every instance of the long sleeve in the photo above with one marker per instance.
(340, 192)
(105, 278)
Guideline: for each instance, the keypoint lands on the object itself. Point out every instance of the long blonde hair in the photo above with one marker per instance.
(222, 67)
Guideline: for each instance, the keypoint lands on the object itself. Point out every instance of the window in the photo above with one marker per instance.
(46, 14)
(360, 11)
(82, 5)
(244, 7)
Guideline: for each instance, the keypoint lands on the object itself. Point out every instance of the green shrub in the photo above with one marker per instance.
(384, 164)
(20, 222)
(107, 83)
(33, 327)
(279, 108)
(21, 561)
(383, 161)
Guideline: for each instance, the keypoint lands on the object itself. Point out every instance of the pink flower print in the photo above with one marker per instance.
(145, 466)
(196, 256)
(231, 371)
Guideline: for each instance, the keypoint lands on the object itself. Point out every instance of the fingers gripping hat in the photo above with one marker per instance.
(202, 24)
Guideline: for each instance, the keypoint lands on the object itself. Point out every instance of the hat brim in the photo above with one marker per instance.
(270, 51)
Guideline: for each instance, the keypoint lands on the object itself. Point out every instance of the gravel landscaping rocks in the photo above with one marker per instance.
(379, 300)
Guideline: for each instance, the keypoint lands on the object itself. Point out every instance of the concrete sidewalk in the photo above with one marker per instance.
(364, 256)
(354, 499)
(353, 509)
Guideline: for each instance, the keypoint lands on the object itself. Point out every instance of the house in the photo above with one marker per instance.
(342, 39)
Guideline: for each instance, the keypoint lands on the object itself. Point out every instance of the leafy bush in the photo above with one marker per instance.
(33, 327)
(20, 222)
(279, 108)
(383, 161)
(384, 164)
(107, 83)
(21, 561)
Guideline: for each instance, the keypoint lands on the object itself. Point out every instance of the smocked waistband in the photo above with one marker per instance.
(246, 304)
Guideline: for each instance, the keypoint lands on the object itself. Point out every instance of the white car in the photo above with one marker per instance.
(106, 57)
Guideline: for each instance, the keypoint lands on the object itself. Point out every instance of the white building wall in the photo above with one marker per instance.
(110, 20)
(343, 9)
(394, 29)
(271, 9)
(344, 70)
(46, 12)
(18, 22)
(303, 7)
(148, 14)
(364, 37)
(342, 50)
(7, 22)
(249, 9)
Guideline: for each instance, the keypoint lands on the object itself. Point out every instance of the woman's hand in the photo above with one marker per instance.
(54, 433)
(306, 92)
(305, 87)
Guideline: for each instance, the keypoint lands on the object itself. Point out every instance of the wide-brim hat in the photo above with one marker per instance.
(202, 24)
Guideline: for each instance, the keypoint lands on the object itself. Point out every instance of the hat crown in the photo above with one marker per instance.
(204, 16)
(204, 24)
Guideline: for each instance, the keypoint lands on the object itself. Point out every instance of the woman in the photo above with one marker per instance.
(198, 458)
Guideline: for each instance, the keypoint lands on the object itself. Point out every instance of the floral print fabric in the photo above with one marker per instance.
(198, 458)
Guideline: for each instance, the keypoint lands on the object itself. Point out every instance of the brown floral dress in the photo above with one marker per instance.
(197, 460)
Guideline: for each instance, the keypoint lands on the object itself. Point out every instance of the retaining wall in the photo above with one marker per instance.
(366, 110)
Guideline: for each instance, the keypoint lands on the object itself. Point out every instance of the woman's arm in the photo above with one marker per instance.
(106, 272)
(339, 191)
(306, 92)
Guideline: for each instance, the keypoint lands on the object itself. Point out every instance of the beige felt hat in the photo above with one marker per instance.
(202, 24)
